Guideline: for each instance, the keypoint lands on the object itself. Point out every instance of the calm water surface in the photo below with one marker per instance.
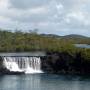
(82, 46)
(44, 82)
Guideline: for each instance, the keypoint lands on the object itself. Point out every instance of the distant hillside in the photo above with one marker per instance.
(74, 38)
(66, 36)
(71, 36)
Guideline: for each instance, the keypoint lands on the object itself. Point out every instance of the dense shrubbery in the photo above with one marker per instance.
(65, 62)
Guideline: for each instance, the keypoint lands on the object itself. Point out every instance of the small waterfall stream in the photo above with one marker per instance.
(23, 64)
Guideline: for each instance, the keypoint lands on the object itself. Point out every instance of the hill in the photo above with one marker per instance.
(66, 36)
(71, 36)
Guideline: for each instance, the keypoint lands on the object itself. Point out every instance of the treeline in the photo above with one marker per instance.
(21, 42)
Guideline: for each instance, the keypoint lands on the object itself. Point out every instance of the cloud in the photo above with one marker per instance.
(4, 4)
(25, 4)
(78, 17)
(55, 16)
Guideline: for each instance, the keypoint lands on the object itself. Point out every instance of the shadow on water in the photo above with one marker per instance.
(65, 77)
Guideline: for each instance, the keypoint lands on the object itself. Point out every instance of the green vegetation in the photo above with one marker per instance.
(70, 58)
(25, 42)
(20, 42)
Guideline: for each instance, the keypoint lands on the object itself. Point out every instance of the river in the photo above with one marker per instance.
(44, 82)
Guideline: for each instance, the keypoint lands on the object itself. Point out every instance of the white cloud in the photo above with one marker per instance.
(46, 15)
(76, 15)
(4, 19)
(38, 10)
(59, 6)
(4, 4)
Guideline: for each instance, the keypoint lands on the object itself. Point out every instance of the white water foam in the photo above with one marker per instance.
(28, 65)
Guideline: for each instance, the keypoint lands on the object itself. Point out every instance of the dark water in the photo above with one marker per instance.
(44, 82)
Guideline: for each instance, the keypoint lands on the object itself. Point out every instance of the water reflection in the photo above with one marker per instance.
(44, 82)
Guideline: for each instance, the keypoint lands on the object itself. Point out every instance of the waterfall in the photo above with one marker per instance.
(23, 64)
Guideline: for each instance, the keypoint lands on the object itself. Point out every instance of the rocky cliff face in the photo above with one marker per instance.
(3, 70)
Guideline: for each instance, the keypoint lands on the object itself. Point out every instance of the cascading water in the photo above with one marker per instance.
(23, 64)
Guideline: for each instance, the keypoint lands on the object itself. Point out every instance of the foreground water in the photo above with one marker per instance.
(44, 82)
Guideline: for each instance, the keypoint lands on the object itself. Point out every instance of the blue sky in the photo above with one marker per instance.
(60, 17)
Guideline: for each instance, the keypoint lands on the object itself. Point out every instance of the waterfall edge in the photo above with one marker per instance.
(22, 65)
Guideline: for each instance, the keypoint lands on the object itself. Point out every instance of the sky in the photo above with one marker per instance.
(60, 17)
